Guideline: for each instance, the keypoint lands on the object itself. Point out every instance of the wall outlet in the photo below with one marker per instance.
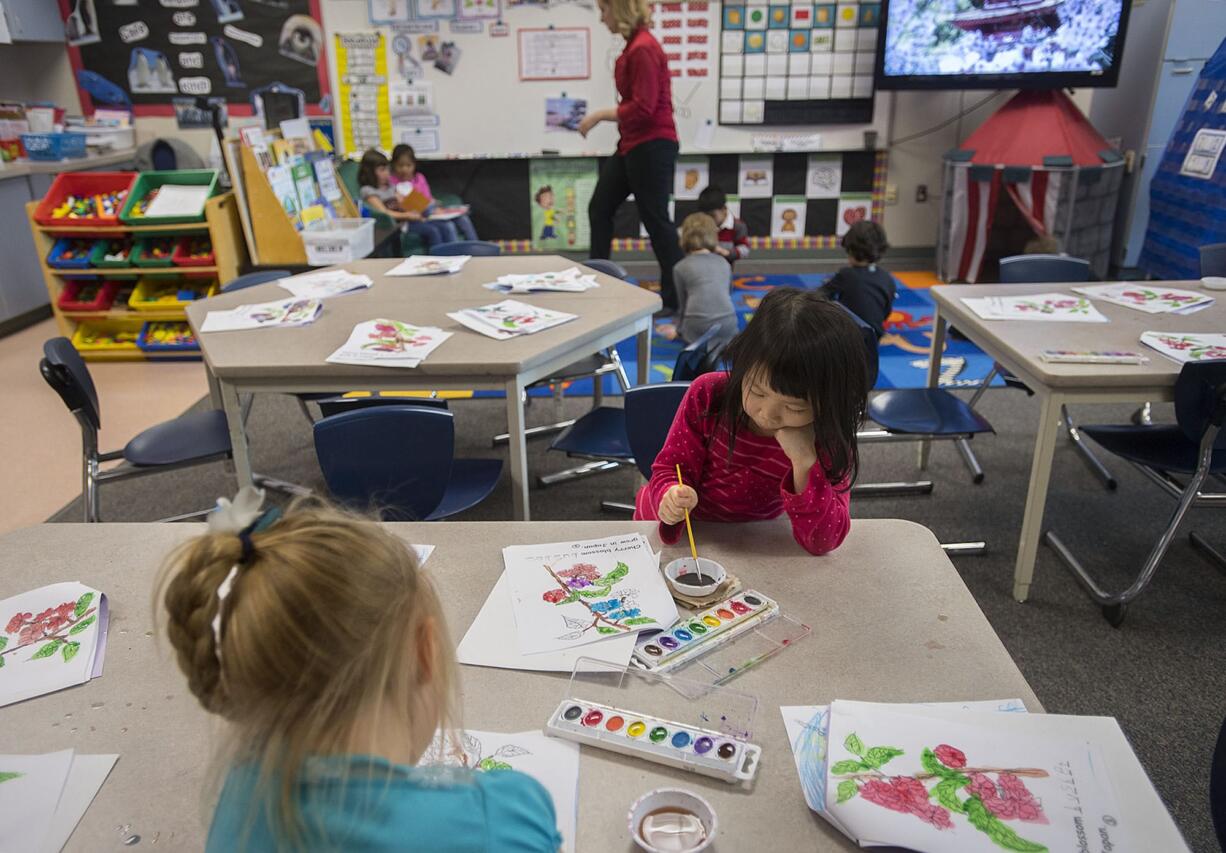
(891, 193)
(921, 193)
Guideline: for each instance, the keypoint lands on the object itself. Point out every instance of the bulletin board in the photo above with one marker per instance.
(155, 52)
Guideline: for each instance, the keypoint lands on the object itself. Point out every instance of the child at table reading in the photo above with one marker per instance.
(379, 195)
(320, 640)
(774, 434)
(405, 171)
(867, 290)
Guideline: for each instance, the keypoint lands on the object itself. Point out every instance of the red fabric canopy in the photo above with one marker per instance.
(1034, 125)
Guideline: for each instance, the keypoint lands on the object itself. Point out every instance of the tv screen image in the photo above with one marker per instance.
(994, 43)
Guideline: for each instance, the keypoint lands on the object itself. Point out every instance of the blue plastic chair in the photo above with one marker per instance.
(1213, 262)
(1194, 447)
(476, 248)
(1217, 787)
(698, 358)
(607, 267)
(1043, 269)
(191, 439)
(251, 279)
(401, 461)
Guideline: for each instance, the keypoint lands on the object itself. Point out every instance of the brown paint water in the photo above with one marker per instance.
(694, 579)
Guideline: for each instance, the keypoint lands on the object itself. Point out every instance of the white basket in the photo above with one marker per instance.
(343, 241)
(104, 136)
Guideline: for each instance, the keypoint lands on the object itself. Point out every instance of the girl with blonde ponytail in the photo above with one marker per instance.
(321, 641)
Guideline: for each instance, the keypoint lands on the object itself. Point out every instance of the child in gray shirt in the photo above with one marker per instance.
(703, 282)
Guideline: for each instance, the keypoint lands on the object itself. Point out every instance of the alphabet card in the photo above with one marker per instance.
(690, 177)
(756, 177)
(570, 594)
(54, 637)
(788, 216)
(824, 177)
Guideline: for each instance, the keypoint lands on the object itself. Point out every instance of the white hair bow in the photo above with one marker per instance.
(233, 517)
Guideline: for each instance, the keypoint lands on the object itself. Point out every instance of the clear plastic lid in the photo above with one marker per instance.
(694, 703)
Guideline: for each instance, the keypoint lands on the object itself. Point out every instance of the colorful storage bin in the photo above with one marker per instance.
(87, 294)
(71, 253)
(50, 147)
(166, 293)
(194, 251)
(107, 336)
(120, 247)
(146, 182)
(167, 337)
(154, 251)
(84, 199)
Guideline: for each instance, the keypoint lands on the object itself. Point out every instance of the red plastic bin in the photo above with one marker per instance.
(82, 184)
(183, 259)
(88, 294)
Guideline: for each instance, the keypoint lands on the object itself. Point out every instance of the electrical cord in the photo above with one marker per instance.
(947, 122)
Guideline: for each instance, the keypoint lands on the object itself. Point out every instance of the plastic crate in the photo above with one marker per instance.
(70, 253)
(109, 336)
(53, 146)
(343, 241)
(148, 181)
(184, 258)
(142, 251)
(104, 247)
(87, 294)
(173, 336)
(166, 293)
(124, 289)
(83, 185)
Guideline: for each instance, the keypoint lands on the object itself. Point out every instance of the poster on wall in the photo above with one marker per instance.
(560, 192)
(361, 72)
(146, 55)
(685, 32)
(562, 53)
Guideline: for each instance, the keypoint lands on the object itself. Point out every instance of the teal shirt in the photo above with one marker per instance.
(386, 807)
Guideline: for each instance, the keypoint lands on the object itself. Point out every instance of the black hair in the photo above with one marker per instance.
(865, 241)
(403, 150)
(812, 350)
(712, 198)
(371, 160)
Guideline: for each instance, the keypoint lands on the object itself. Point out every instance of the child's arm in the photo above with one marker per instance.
(819, 513)
(740, 240)
(596, 117)
(685, 446)
(376, 204)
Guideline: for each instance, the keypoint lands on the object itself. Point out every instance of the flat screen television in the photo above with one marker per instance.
(1000, 44)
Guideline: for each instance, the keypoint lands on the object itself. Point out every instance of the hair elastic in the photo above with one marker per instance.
(242, 517)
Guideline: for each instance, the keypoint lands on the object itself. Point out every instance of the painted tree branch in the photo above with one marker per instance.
(599, 617)
(1029, 772)
(62, 634)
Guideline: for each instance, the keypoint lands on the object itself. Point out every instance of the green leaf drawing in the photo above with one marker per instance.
(487, 764)
(594, 592)
(879, 755)
(83, 604)
(570, 599)
(82, 625)
(6, 776)
(4, 641)
(47, 650)
(1001, 835)
(1, 663)
(619, 572)
(847, 789)
(70, 651)
(638, 620)
(946, 793)
(853, 745)
(847, 765)
(932, 764)
(605, 629)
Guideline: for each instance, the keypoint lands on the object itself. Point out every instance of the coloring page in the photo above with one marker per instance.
(570, 281)
(30, 789)
(937, 780)
(691, 176)
(756, 177)
(825, 176)
(325, 283)
(569, 594)
(510, 318)
(389, 343)
(1151, 300)
(1042, 306)
(852, 209)
(788, 216)
(552, 762)
(430, 265)
(54, 637)
(1187, 346)
(286, 312)
(85, 779)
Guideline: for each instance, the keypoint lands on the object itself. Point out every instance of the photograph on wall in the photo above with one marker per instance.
(188, 114)
(690, 177)
(81, 26)
(435, 9)
(560, 192)
(562, 115)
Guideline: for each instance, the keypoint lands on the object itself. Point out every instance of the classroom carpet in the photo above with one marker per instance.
(1161, 674)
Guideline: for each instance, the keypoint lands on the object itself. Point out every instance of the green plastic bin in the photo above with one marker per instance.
(147, 181)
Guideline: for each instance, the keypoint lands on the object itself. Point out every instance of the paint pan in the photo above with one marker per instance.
(701, 728)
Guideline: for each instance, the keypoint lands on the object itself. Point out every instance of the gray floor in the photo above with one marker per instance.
(1161, 674)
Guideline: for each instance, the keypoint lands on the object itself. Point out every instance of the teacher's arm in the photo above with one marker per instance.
(594, 118)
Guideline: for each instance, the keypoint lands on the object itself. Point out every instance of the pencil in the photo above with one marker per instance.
(688, 529)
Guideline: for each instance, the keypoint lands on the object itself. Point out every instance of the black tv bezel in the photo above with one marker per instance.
(1023, 80)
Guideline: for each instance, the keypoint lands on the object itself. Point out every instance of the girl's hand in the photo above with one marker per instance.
(675, 502)
(799, 443)
(720, 250)
(412, 216)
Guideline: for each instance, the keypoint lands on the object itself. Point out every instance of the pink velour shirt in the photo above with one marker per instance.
(753, 485)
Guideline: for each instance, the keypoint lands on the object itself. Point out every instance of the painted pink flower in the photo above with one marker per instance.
(16, 622)
(950, 756)
(581, 570)
(908, 795)
(553, 596)
(1008, 799)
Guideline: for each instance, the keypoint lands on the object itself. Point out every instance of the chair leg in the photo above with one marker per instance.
(1143, 415)
(968, 457)
(306, 412)
(596, 467)
(89, 492)
(617, 506)
(964, 549)
(1210, 553)
(1074, 434)
(877, 490)
(534, 432)
(983, 386)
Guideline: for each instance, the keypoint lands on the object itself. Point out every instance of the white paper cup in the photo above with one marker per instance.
(1214, 282)
(674, 799)
(685, 566)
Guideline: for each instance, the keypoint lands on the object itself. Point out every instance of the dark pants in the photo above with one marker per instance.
(647, 171)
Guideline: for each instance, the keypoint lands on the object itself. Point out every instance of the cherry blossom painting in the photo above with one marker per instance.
(1040, 306)
(1187, 346)
(52, 638)
(1151, 300)
(389, 343)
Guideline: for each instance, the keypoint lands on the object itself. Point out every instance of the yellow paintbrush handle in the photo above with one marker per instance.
(688, 529)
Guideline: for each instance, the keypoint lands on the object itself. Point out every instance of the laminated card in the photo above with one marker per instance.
(429, 265)
(569, 594)
(54, 637)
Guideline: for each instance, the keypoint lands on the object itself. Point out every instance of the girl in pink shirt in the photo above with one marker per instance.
(774, 434)
(404, 169)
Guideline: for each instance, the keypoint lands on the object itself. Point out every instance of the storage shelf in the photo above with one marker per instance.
(131, 272)
(86, 231)
(139, 355)
(124, 314)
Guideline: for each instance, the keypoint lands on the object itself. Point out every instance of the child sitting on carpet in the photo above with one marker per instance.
(867, 290)
(775, 433)
(322, 643)
(378, 194)
(703, 281)
(733, 238)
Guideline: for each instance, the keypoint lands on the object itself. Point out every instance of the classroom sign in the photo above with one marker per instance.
(561, 190)
(361, 73)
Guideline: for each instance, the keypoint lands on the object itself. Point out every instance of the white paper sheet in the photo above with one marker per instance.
(85, 779)
(30, 791)
(552, 762)
(1042, 307)
(54, 637)
(325, 283)
(568, 594)
(489, 641)
(567, 281)
(389, 343)
(510, 318)
(285, 313)
(1187, 346)
(178, 200)
(429, 265)
(1150, 299)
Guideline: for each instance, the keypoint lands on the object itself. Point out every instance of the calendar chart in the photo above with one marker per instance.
(797, 63)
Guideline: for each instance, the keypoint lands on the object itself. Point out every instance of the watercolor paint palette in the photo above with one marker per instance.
(708, 734)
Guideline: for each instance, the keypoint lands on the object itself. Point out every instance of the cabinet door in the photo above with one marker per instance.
(22, 287)
(1197, 28)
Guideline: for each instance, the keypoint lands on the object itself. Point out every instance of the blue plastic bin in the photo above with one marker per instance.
(53, 146)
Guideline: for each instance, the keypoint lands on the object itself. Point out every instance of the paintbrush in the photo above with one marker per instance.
(688, 528)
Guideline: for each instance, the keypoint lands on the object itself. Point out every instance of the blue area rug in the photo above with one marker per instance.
(903, 353)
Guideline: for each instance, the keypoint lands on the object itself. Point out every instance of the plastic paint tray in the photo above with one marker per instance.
(107, 336)
(702, 728)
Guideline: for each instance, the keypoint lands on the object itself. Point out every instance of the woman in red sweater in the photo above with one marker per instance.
(647, 150)
(774, 434)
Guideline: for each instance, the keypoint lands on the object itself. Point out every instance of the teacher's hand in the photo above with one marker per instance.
(589, 121)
